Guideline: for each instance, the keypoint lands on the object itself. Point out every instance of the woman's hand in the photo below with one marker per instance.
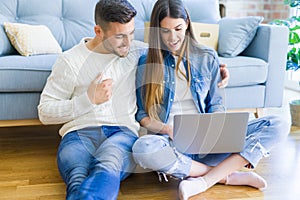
(167, 130)
(157, 126)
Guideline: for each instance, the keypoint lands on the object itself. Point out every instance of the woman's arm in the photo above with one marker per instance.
(157, 126)
(142, 116)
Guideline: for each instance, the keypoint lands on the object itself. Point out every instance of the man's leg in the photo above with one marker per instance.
(73, 159)
(113, 162)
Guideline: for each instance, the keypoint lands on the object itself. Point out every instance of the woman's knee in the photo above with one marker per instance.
(153, 152)
(281, 126)
(275, 125)
(149, 144)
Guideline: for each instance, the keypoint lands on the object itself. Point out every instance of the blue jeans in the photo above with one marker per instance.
(156, 152)
(92, 161)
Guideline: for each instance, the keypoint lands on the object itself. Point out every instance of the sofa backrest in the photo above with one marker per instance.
(68, 20)
(205, 11)
(71, 20)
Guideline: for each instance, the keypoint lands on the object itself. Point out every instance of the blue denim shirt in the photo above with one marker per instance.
(205, 73)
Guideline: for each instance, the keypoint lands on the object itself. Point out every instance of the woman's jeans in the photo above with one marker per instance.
(92, 161)
(157, 153)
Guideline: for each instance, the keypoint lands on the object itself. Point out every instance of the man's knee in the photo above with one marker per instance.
(113, 159)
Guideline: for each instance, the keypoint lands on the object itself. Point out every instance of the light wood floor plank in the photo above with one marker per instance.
(28, 171)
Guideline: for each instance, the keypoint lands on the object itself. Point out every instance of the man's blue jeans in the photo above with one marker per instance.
(92, 161)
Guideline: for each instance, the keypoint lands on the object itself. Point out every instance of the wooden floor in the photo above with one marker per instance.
(28, 171)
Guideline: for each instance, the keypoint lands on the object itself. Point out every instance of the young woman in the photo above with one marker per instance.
(179, 76)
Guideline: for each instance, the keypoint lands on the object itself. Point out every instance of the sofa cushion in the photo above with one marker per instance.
(19, 105)
(236, 34)
(245, 71)
(69, 21)
(204, 11)
(31, 39)
(245, 97)
(24, 74)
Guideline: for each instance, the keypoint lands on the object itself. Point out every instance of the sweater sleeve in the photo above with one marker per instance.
(57, 104)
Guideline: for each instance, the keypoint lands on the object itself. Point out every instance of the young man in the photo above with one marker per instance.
(91, 90)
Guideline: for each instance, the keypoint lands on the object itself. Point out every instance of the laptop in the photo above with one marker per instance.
(210, 132)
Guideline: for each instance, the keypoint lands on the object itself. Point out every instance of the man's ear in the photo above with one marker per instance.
(98, 31)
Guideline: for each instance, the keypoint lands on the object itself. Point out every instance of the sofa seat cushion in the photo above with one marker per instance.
(25, 74)
(245, 71)
(17, 105)
(244, 97)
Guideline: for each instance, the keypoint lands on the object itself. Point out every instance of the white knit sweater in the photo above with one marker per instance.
(64, 99)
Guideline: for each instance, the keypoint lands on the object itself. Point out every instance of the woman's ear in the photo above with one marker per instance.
(187, 22)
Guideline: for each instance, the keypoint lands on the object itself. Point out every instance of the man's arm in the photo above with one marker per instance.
(58, 104)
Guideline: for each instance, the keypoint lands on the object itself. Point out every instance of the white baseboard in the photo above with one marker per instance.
(292, 85)
(292, 80)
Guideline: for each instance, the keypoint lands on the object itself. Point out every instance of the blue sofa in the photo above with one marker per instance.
(257, 74)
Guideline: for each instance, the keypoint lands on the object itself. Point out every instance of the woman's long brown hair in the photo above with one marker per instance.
(154, 71)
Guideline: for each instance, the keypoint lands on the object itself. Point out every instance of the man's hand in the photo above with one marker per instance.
(224, 75)
(100, 91)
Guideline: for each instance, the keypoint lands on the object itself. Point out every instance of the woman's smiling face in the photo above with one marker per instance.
(172, 31)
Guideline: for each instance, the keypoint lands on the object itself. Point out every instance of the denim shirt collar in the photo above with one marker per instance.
(205, 75)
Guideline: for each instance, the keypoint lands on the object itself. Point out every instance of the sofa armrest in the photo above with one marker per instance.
(271, 45)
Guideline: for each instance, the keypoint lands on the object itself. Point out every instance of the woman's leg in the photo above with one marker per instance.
(154, 152)
(227, 168)
(112, 163)
(262, 135)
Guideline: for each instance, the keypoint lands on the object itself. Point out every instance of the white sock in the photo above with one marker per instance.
(246, 178)
(191, 187)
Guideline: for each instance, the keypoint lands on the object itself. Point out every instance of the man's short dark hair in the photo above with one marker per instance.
(113, 11)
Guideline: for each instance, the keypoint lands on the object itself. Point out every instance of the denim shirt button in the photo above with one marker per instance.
(171, 100)
(173, 82)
